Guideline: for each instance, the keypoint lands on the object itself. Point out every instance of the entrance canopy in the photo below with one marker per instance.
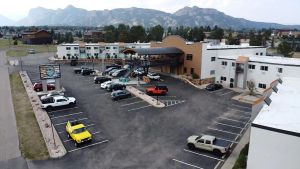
(154, 51)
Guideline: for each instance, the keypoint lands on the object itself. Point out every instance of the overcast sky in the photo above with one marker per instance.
(279, 11)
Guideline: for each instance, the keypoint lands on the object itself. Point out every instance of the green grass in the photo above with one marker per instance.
(32, 144)
(241, 162)
(22, 49)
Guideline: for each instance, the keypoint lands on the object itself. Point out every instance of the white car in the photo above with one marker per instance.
(51, 94)
(105, 85)
(57, 101)
(153, 76)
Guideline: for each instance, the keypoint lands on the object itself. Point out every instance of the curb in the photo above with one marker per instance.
(56, 150)
(145, 97)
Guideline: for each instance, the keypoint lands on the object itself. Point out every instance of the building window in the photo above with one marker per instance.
(262, 86)
(223, 78)
(233, 64)
(256, 53)
(96, 54)
(264, 68)
(192, 71)
(107, 47)
(96, 48)
(75, 48)
(251, 66)
(189, 57)
(280, 70)
(115, 47)
(88, 48)
(224, 63)
(68, 54)
(213, 59)
(68, 48)
(212, 72)
(184, 70)
(261, 54)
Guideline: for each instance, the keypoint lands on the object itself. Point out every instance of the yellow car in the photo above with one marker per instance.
(78, 132)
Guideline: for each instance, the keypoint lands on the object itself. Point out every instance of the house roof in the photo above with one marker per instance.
(32, 33)
(154, 51)
(283, 112)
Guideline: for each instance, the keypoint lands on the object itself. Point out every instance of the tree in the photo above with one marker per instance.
(255, 40)
(285, 49)
(217, 33)
(251, 87)
(231, 40)
(156, 33)
(137, 33)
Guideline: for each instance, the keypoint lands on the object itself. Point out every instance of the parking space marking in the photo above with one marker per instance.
(226, 93)
(85, 126)
(217, 165)
(97, 132)
(202, 155)
(191, 165)
(217, 91)
(241, 106)
(220, 138)
(232, 120)
(128, 99)
(101, 142)
(166, 96)
(55, 117)
(223, 131)
(133, 103)
(63, 109)
(69, 121)
(139, 108)
(229, 125)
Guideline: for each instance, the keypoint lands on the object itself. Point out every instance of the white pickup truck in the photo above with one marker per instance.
(57, 101)
(209, 143)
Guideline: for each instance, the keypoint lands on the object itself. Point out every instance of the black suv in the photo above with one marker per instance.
(101, 79)
(85, 72)
(116, 86)
(213, 87)
(79, 69)
(120, 94)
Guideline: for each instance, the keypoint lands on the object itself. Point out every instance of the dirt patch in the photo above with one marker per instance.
(32, 144)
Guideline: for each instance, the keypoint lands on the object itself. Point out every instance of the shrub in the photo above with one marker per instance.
(241, 162)
(73, 57)
(88, 57)
(69, 57)
(64, 58)
(76, 57)
(195, 76)
(92, 57)
(96, 57)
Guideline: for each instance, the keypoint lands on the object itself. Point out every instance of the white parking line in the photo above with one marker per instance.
(216, 91)
(101, 142)
(241, 106)
(133, 103)
(217, 165)
(166, 96)
(229, 125)
(55, 117)
(139, 108)
(63, 109)
(223, 131)
(187, 163)
(232, 120)
(202, 155)
(85, 126)
(97, 132)
(70, 121)
(128, 99)
(226, 93)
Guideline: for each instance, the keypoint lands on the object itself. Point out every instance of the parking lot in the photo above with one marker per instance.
(130, 133)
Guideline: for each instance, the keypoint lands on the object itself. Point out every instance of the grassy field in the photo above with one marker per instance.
(241, 162)
(32, 144)
(22, 49)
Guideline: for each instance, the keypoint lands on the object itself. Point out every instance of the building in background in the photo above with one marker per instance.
(37, 37)
(93, 36)
(275, 132)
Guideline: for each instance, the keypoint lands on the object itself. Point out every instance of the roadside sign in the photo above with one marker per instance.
(49, 72)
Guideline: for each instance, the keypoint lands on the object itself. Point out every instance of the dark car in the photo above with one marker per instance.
(101, 79)
(86, 72)
(213, 87)
(106, 71)
(159, 89)
(119, 73)
(116, 86)
(120, 94)
(114, 66)
(78, 70)
(74, 62)
(39, 87)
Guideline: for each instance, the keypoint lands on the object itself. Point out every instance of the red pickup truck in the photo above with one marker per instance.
(157, 90)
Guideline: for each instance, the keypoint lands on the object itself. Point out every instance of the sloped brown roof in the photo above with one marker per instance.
(242, 59)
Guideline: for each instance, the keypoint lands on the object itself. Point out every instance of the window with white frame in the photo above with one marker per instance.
(224, 63)
(212, 72)
(88, 48)
(264, 68)
(213, 59)
(68, 48)
(280, 70)
(262, 86)
(250, 66)
(233, 64)
(223, 78)
(96, 48)
(76, 48)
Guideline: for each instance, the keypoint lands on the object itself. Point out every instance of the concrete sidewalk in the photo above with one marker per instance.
(9, 142)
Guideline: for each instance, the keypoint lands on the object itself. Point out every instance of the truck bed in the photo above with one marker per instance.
(221, 143)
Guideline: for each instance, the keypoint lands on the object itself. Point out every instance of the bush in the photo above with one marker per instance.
(73, 57)
(88, 57)
(76, 57)
(92, 57)
(96, 57)
(64, 58)
(241, 162)
(16, 42)
(195, 76)
(69, 57)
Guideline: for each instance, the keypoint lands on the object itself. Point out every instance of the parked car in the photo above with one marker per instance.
(53, 93)
(115, 86)
(153, 76)
(57, 101)
(120, 94)
(31, 51)
(78, 132)
(213, 87)
(74, 62)
(119, 72)
(78, 70)
(139, 71)
(209, 143)
(106, 71)
(86, 72)
(39, 87)
(106, 84)
(157, 90)
(101, 79)
(112, 71)
(114, 65)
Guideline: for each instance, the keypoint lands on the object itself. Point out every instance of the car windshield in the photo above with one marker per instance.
(80, 130)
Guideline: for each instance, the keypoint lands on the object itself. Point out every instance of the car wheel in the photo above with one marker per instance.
(217, 152)
(191, 146)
